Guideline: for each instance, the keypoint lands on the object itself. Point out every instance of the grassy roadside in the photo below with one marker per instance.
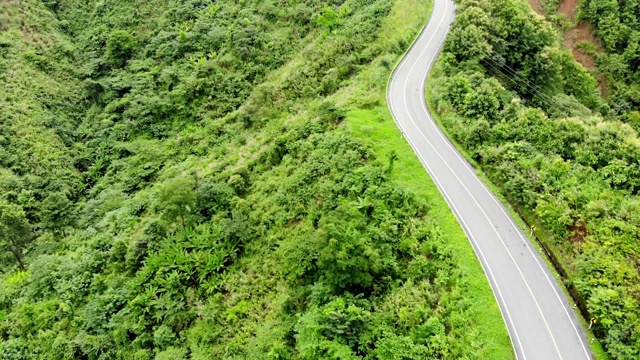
(409, 172)
(372, 122)
(436, 72)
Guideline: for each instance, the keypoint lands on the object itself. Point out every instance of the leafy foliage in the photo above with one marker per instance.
(615, 25)
(537, 137)
(175, 183)
(14, 231)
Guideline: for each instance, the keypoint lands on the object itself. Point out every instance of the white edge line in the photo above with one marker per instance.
(500, 205)
(459, 219)
(533, 297)
(493, 198)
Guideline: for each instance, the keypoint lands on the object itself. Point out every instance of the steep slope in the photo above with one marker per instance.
(531, 118)
(42, 102)
(615, 24)
(220, 207)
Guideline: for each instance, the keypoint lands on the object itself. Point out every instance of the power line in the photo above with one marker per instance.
(515, 73)
(544, 98)
(513, 79)
(521, 81)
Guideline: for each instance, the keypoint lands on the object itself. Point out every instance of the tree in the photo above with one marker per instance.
(468, 43)
(483, 101)
(177, 199)
(56, 212)
(328, 19)
(15, 231)
(456, 90)
(120, 47)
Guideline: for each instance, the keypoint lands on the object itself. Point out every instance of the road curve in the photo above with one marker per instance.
(540, 321)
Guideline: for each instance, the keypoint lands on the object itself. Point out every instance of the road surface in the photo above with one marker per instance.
(540, 321)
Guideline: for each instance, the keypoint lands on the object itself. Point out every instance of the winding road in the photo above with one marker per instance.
(539, 318)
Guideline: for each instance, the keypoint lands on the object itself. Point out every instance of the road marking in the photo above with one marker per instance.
(564, 307)
(491, 195)
(495, 200)
(459, 218)
(481, 210)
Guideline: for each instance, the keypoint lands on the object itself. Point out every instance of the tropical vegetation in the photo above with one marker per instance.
(534, 121)
(178, 180)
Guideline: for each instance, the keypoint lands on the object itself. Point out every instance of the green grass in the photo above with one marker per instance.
(542, 233)
(252, 276)
(373, 124)
(377, 127)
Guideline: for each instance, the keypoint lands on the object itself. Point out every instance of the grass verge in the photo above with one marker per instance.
(369, 119)
(374, 124)
(435, 73)
(384, 136)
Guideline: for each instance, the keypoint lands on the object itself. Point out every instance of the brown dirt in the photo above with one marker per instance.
(581, 32)
(603, 87)
(536, 6)
(578, 33)
(28, 35)
(577, 232)
(568, 7)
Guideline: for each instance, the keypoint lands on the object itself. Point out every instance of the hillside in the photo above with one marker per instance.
(615, 26)
(194, 180)
(533, 121)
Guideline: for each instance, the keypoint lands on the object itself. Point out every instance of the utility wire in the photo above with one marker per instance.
(519, 79)
(524, 82)
(513, 79)
(515, 73)
(544, 98)
(504, 68)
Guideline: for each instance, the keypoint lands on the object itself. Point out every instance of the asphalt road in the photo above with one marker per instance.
(541, 323)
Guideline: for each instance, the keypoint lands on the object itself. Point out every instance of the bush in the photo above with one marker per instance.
(120, 47)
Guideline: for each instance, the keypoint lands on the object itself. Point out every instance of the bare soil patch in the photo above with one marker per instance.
(568, 7)
(603, 87)
(536, 6)
(578, 33)
(577, 232)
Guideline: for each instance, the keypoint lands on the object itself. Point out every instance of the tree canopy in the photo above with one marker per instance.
(176, 182)
(534, 121)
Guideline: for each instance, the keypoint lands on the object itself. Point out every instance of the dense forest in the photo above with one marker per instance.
(177, 182)
(615, 24)
(533, 120)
